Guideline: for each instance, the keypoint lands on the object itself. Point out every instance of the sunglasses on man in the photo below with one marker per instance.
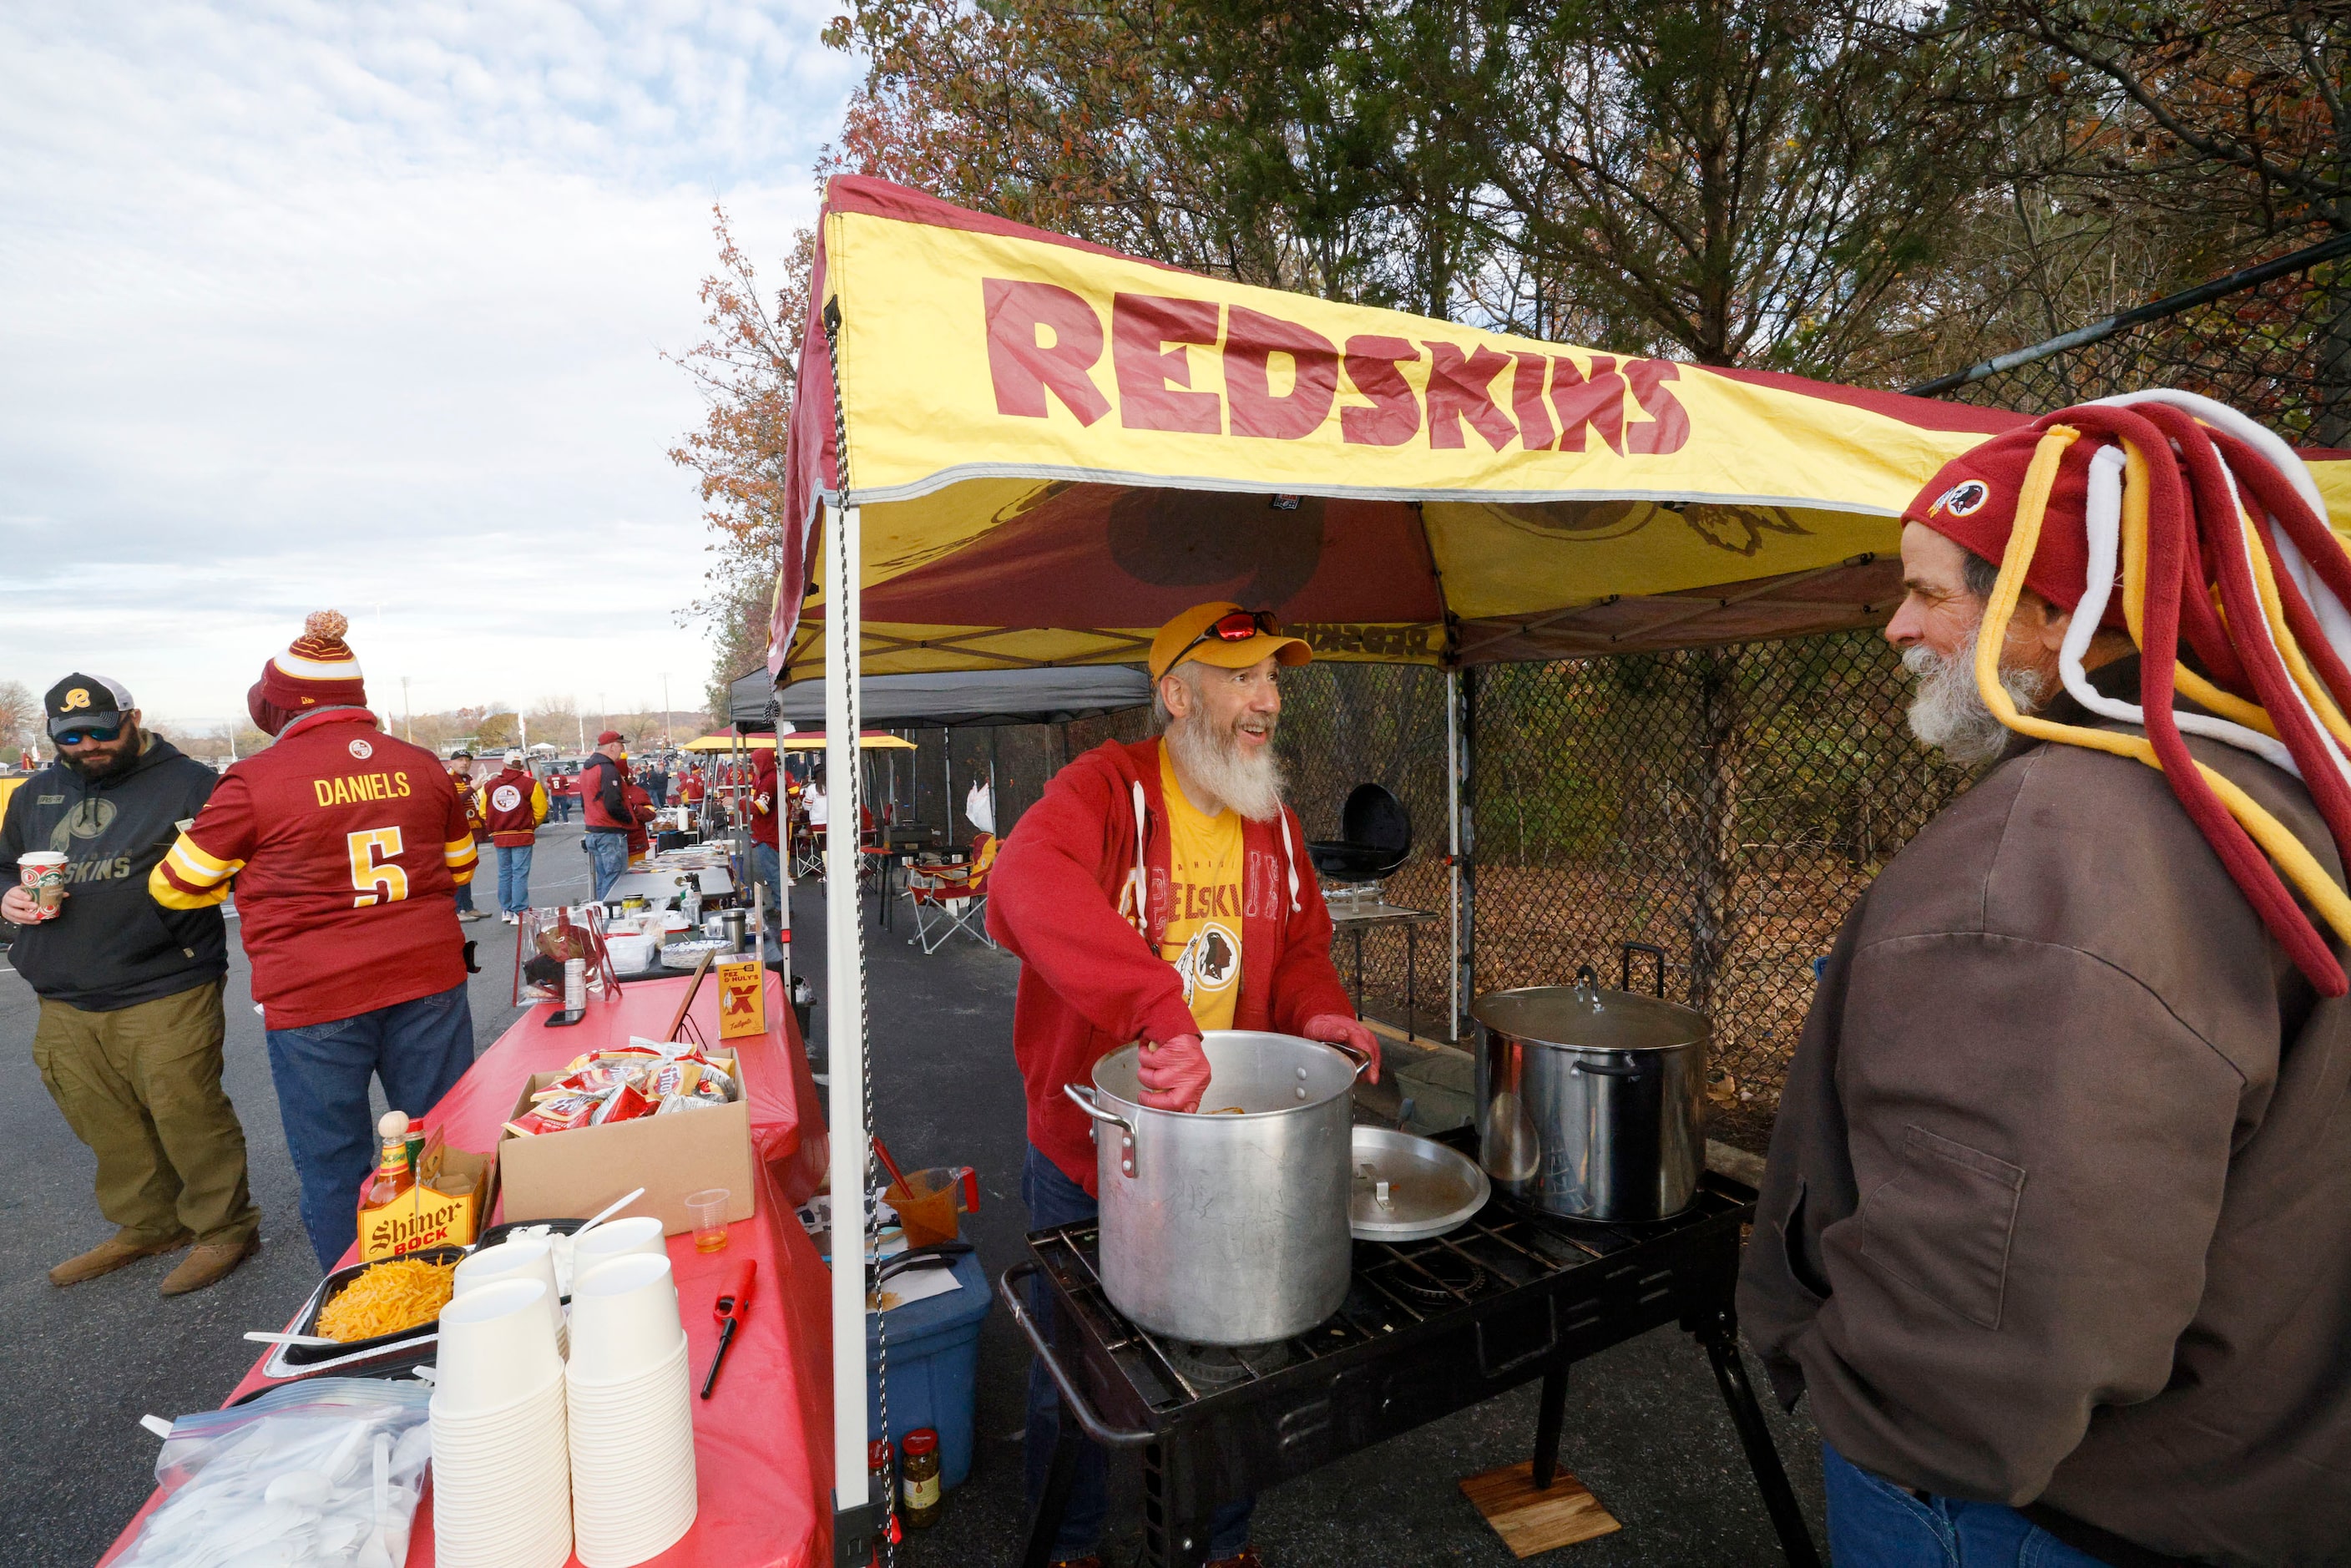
(1236, 626)
(89, 732)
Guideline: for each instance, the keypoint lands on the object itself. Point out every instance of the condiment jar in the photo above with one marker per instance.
(919, 1476)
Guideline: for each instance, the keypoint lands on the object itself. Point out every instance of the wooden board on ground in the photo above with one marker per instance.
(1529, 1520)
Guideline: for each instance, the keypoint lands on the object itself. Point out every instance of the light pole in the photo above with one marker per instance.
(407, 715)
(665, 744)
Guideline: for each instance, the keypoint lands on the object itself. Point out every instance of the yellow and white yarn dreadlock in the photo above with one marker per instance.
(2260, 593)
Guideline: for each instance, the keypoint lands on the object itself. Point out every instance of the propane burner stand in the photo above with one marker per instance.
(1428, 1328)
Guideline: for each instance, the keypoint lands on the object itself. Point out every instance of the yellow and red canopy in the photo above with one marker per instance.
(1056, 447)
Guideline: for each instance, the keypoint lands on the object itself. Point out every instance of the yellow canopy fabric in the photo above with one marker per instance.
(1057, 447)
(871, 740)
(731, 743)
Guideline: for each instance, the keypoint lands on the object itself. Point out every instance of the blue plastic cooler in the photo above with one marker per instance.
(933, 1368)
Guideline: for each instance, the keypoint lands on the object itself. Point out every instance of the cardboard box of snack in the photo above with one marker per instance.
(444, 1208)
(573, 1174)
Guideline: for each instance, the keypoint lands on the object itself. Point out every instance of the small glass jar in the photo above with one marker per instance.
(878, 1457)
(919, 1477)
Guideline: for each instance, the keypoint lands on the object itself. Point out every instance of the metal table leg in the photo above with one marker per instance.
(1358, 934)
(1549, 1416)
(1720, 1337)
(1411, 964)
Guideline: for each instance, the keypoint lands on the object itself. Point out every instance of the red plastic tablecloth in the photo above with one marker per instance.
(763, 1442)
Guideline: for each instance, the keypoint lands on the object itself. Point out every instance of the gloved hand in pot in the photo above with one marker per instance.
(1175, 1073)
(1342, 1030)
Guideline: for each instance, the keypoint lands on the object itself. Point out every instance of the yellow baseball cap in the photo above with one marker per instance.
(1222, 633)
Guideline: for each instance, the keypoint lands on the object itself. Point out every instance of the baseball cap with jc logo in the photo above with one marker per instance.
(86, 701)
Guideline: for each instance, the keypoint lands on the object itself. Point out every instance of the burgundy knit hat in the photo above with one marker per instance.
(1972, 503)
(319, 670)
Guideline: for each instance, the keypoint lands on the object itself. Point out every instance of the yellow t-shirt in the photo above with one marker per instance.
(1203, 939)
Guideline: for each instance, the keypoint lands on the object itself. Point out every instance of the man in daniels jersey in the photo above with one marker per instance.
(346, 846)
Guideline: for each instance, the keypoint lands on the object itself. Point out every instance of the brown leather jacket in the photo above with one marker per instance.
(2058, 1211)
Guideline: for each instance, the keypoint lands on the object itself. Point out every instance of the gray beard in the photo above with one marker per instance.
(1211, 762)
(1949, 711)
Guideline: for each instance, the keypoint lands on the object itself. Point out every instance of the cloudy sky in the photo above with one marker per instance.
(360, 305)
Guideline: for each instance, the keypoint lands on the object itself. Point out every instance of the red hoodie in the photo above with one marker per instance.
(1062, 899)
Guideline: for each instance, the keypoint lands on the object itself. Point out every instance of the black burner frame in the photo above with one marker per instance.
(1555, 1292)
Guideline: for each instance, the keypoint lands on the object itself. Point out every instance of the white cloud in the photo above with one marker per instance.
(307, 305)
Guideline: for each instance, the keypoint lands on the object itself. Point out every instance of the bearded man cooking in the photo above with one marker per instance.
(2056, 1229)
(1159, 889)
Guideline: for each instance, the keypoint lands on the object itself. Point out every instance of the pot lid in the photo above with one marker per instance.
(1590, 1018)
(1408, 1188)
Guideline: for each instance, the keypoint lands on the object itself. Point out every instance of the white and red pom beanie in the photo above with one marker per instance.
(317, 671)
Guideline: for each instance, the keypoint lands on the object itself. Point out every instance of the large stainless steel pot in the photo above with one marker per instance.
(1226, 1228)
(1589, 1100)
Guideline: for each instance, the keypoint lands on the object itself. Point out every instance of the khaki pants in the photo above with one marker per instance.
(141, 1086)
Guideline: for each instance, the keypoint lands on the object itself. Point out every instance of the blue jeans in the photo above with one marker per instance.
(514, 878)
(608, 854)
(419, 1049)
(1873, 1523)
(768, 866)
(465, 892)
(1054, 1199)
(558, 808)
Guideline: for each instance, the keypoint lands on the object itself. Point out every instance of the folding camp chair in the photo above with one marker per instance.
(951, 897)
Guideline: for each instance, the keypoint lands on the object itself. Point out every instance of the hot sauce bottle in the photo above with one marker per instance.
(393, 1175)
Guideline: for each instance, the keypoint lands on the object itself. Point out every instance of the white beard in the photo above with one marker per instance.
(1217, 773)
(1949, 711)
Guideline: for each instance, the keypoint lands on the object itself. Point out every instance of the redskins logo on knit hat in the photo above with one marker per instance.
(1962, 500)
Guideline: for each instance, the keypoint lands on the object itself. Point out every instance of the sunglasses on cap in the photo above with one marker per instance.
(1236, 626)
(101, 734)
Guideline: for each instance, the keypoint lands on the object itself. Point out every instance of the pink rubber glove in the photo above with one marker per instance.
(1345, 1030)
(1175, 1074)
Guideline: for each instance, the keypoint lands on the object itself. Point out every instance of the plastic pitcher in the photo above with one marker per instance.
(929, 1201)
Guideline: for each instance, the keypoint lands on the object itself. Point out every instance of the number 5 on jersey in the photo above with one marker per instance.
(378, 882)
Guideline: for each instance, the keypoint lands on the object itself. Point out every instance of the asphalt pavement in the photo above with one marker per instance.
(91, 1360)
(1645, 1429)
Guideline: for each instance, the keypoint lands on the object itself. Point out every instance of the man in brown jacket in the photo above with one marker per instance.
(2057, 1232)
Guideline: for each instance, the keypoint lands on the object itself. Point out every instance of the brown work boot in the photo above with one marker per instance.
(111, 1254)
(209, 1265)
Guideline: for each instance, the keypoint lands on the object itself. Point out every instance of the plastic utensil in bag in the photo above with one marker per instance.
(323, 1471)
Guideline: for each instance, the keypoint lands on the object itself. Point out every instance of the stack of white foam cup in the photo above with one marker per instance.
(501, 1462)
(522, 1259)
(631, 1398)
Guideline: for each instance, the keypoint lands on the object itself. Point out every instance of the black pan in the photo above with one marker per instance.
(328, 1287)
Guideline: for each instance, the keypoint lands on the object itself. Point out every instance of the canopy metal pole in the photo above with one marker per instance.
(1453, 839)
(1465, 847)
(844, 954)
(947, 763)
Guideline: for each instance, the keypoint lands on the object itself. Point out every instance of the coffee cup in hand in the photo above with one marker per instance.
(43, 874)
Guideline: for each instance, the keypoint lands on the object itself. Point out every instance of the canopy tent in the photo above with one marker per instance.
(1029, 452)
(751, 702)
(966, 699)
(730, 743)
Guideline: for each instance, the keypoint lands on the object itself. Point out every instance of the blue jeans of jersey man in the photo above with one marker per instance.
(1054, 1199)
(418, 1048)
(1873, 1523)
(514, 878)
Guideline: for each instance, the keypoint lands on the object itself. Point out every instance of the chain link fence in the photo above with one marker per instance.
(1726, 805)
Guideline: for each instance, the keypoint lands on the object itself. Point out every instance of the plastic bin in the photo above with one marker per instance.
(933, 1368)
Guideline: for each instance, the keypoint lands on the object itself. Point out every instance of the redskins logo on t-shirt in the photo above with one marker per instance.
(506, 798)
(1210, 960)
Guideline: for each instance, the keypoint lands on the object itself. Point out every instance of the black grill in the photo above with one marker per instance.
(1428, 1328)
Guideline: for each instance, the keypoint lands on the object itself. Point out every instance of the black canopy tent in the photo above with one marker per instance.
(957, 699)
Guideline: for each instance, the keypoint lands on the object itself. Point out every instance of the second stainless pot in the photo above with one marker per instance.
(1589, 1100)
(1226, 1228)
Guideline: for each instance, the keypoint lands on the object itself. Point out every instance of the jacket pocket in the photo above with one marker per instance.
(1792, 1248)
(1944, 1225)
